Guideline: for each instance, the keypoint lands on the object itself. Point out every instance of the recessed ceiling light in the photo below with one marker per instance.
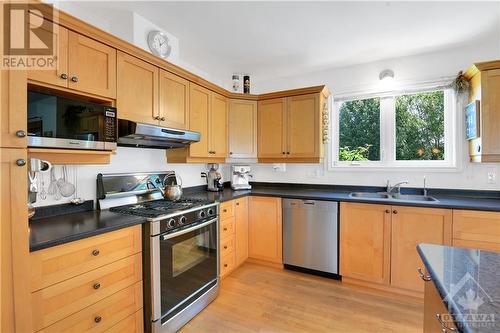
(386, 75)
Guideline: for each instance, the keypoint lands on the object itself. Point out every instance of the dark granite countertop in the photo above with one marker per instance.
(469, 283)
(66, 226)
(48, 231)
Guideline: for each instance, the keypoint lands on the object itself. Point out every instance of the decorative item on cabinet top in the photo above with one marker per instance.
(325, 118)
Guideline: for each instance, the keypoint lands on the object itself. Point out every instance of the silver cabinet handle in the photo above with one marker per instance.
(443, 324)
(21, 162)
(20, 134)
(74, 79)
(424, 277)
(64, 76)
(163, 118)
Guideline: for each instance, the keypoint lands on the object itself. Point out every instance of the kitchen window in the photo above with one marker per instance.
(405, 129)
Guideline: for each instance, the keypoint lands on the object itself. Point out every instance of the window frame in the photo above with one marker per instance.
(388, 133)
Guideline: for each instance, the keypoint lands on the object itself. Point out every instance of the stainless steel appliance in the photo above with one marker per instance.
(215, 182)
(132, 134)
(181, 247)
(310, 236)
(240, 177)
(59, 122)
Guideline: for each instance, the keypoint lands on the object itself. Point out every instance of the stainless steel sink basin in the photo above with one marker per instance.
(394, 196)
(413, 197)
(369, 195)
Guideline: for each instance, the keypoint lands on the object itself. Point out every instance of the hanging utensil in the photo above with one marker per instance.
(53, 182)
(66, 188)
(43, 193)
(76, 199)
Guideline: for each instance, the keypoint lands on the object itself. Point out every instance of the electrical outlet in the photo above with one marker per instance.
(492, 177)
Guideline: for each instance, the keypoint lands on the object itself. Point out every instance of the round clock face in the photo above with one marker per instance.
(158, 43)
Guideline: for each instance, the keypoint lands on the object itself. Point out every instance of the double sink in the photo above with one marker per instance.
(393, 196)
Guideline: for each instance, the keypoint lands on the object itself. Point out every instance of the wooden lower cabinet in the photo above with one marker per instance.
(476, 229)
(90, 284)
(378, 242)
(411, 226)
(265, 239)
(241, 230)
(365, 242)
(434, 306)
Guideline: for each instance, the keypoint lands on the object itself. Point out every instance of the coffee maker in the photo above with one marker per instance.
(215, 183)
(240, 175)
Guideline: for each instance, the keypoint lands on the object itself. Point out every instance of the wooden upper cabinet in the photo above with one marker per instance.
(365, 248)
(13, 109)
(137, 90)
(174, 101)
(91, 66)
(242, 129)
(198, 119)
(265, 240)
(303, 126)
(484, 86)
(59, 76)
(411, 226)
(476, 229)
(218, 126)
(271, 128)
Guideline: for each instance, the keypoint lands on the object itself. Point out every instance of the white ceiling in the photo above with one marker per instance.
(269, 39)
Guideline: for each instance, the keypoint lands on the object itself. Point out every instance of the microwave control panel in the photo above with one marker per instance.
(111, 124)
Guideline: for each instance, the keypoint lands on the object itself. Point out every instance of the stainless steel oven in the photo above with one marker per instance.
(60, 122)
(184, 272)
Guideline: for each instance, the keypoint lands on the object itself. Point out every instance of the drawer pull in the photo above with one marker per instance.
(237, 204)
(224, 210)
(394, 211)
(225, 265)
(422, 275)
(387, 211)
(97, 285)
(98, 319)
(95, 253)
(225, 229)
(225, 247)
(443, 324)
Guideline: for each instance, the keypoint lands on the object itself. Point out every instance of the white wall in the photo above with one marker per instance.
(364, 77)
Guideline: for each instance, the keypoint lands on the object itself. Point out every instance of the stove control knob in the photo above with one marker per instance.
(210, 212)
(202, 214)
(170, 224)
(182, 220)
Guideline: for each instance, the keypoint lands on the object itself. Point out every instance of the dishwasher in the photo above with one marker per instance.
(310, 236)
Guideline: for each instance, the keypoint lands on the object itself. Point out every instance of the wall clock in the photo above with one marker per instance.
(159, 44)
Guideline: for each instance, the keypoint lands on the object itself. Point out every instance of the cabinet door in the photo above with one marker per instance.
(242, 129)
(433, 306)
(174, 101)
(476, 229)
(198, 119)
(411, 226)
(13, 109)
(303, 125)
(137, 90)
(271, 128)
(91, 66)
(365, 231)
(58, 76)
(218, 126)
(14, 247)
(265, 229)
(490, 119)
(241, 230)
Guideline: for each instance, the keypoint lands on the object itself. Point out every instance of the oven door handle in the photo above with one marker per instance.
(185, 231)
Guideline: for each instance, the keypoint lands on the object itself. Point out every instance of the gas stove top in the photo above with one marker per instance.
(158, 208)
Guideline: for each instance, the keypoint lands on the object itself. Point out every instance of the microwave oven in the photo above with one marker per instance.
(59, 122)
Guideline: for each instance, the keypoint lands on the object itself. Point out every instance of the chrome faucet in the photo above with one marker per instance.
(397, 186)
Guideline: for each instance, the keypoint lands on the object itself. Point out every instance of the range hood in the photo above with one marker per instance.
(132, 134)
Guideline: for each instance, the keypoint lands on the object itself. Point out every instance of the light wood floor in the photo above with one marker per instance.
(257, 298)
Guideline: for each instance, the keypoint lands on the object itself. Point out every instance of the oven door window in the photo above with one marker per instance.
(188, 263)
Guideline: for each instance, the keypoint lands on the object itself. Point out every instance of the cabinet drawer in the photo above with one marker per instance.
(68, 297)
(226, 264)
(226, 246)
(476, 229)
(227, 228)
(226, 210)
(132, 324)
(105, 314)
(60, 263)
